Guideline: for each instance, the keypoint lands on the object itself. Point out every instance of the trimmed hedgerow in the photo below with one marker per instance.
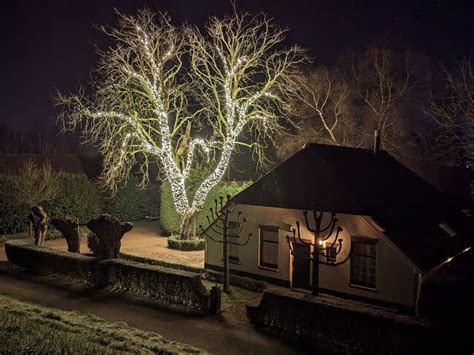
(173, 289)
(132, 203)
(169, 219)
(81, 198)
(174, 242)
(13, 219)
(43, 260)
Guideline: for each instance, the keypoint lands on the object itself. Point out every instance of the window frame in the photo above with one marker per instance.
(233, 259)
(331, 258)
(261, 230)
(353, 281)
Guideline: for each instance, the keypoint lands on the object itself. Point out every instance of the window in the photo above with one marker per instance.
(269, 247)
(363, 262)
(233, 229)
(331, 254)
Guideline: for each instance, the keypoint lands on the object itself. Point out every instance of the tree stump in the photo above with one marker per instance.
(109, 232)
(69, 227)
(39, 219)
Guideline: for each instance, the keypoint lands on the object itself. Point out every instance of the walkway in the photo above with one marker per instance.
(225, 334)
(145, 239)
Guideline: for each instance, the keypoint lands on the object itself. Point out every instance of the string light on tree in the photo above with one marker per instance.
(140, 112)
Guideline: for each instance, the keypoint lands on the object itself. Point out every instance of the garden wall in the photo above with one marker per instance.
(173, 289)
(336, 324)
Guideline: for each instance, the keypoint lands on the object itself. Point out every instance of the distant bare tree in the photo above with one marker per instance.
(452, 113)
(382, 81)
(30, 185)
(323, 113)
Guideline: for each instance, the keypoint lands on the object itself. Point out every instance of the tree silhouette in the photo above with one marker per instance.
(219, 225)
(321, 235)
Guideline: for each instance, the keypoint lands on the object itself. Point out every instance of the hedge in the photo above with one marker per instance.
(132, 203)
(169, 219)
(170, 288)
(341, 326)
(44, 260)
(174, 242)
(81, 198)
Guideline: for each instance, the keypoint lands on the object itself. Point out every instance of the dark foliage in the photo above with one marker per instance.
(174, 242)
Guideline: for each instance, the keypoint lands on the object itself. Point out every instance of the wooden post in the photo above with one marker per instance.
(315, 276)
(225, 253)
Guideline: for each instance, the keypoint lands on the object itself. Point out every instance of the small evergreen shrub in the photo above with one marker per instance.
(174, 242)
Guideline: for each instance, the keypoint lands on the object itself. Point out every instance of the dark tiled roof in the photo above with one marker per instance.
(357, 181)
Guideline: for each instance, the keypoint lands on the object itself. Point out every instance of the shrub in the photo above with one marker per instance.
(13, 219)
(132, 203)
(169, 219)
(174, 242)
(176, 289)
(79, 198)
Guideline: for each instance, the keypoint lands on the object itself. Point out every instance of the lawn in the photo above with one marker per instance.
(29, 328)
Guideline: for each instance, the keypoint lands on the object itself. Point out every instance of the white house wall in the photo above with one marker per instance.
(395, 278)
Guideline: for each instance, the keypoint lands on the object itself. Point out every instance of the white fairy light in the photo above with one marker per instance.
(147, 121)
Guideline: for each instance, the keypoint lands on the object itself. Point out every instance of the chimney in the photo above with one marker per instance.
(376, 141)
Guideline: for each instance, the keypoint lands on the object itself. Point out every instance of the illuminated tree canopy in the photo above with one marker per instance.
(184, 98)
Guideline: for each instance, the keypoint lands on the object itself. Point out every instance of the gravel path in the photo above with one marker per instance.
(145, 239)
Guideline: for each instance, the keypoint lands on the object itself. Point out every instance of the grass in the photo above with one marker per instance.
(29, 328)
(236, 297)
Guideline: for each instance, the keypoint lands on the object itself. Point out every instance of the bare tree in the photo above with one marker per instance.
(181, 98)
(324, 113)
(452, 113)
(382, 81)
(30, 185)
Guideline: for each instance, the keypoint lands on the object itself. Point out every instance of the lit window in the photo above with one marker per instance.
(269, 247)
(233, 229)
(448, 230)
(364, 262)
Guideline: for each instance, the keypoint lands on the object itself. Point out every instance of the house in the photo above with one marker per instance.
(396, 227)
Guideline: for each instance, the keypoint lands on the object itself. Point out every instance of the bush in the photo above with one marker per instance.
(169, 219)
(79, 197)
(132, 203)
(13, 219)
(174, 242)
(176, 289)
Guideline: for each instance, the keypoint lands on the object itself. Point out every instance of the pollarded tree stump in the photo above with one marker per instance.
(69, 227)
(109, 232)
(39, 219)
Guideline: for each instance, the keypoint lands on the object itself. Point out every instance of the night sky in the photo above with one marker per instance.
(49, 45)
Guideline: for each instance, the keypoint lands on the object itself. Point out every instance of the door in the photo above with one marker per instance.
(301, 265)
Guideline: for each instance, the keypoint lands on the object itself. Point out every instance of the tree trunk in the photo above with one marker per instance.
(39, 219)
(109, 232)
(188, 226)
(69, 227)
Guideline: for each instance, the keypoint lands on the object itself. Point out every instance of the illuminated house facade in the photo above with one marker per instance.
(396, 226)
